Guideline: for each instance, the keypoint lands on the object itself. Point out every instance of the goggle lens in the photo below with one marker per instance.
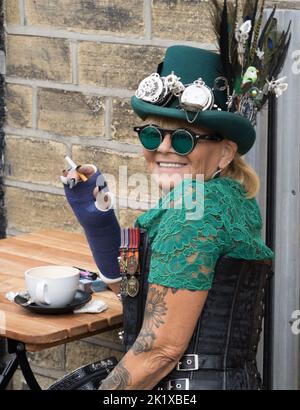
(182, 142)
(150, 138)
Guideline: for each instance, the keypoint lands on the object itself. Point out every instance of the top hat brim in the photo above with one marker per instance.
(231, 126)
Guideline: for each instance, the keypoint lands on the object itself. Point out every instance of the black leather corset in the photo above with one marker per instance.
(222, 351)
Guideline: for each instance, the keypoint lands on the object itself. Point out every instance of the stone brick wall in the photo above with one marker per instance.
(71, 67)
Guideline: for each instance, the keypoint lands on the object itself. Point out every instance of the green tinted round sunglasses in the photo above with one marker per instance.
(183, 141)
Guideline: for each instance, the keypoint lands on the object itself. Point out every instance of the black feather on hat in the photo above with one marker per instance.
(222, 92)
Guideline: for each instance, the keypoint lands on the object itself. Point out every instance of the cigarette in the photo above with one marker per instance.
(74, 166)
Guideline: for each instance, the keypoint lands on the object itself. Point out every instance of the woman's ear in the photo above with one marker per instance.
(228, 152)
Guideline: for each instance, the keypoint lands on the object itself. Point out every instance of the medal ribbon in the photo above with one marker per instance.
(130, 240)
(129, 261)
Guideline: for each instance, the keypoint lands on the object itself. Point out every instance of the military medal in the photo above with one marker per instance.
(132, 260)
(123, 252)
(123, 262)
(132, 264)
(133, 286)
(129, 261)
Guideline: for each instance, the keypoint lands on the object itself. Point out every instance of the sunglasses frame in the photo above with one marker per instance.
(163, 131)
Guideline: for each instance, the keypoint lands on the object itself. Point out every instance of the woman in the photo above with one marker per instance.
(203, 286)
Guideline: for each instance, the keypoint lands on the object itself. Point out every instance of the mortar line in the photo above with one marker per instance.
(86, 89)
(109, 146)
(34, 116)
(22, 13)
(108, 117)
(52, 189)
(98, 38)
(74, 60)
(35, 187)
(148, 19)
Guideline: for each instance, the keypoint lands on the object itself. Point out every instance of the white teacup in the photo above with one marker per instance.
(53, 286)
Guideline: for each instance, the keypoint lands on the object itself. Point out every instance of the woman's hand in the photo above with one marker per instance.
(68, 175)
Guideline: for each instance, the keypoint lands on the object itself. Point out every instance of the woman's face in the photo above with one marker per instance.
(168, 168)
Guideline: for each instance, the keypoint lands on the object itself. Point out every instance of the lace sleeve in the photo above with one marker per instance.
(185, 251)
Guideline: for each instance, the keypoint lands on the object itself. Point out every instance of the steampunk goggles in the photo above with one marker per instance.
(182, 141)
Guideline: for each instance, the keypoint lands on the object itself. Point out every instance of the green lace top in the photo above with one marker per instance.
(195, 224)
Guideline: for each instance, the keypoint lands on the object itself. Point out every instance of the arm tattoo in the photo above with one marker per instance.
(155, 310)
(144, 342)
(118, 379)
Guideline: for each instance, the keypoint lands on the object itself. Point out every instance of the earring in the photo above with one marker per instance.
(217, 173)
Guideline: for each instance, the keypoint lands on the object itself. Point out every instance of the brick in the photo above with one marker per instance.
(53, 358)
(19, 106)
(184, 20)
(12, 12)
(97, 16)
(123, 121)
(39, 210)
(70, 113)
(34, 160)
(82, 353)
(39, 57)
(107, 160)
(19, 382)
(109, 163)
(116, 65)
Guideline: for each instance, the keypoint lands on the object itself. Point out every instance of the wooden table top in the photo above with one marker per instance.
(49, 247)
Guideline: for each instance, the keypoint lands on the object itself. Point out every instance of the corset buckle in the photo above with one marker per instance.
(188, 362)
(178, 384)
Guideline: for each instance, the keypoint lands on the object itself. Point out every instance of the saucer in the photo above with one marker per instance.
(80, 299)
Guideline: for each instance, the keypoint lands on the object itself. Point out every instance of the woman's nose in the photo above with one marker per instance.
(165, 145)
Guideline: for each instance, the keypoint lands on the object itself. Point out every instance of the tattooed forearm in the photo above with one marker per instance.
(155, 310)
(144, 342)
(118, 379)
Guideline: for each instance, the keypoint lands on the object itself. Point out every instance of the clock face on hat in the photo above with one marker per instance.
(151, 88)
(197, 97)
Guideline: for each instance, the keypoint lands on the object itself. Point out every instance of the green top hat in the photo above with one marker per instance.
(190, 64)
